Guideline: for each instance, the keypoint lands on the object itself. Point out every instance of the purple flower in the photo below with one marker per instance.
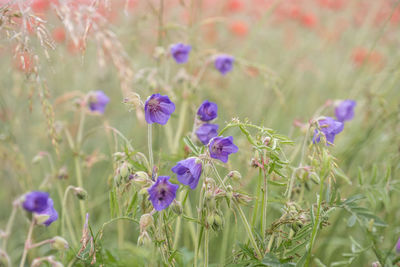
(224, 63)
(36, 201)
(188, 172)
(329, 127)
(206, 132)
(398, 246)
(345, 110)
(162, 193)
(98, 101)
(50, 211)
(40, 203)
(220, 148)
(158, 109)
(180, 52)
(207, 111)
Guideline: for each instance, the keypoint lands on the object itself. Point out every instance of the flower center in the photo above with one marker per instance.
(154, 105)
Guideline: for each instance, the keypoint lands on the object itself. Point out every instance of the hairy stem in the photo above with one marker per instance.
(27, 243)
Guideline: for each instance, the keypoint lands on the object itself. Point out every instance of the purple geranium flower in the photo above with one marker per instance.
(345, 110)
(98, 101)
(206, 132)
(188, 172)
(162, 193)
(158, 109)
(329, 127)
(224, 63)
(207, 111)
(180, 52)
(40, 203)
(220, 148)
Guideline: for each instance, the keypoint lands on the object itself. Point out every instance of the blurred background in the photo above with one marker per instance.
(292, 58)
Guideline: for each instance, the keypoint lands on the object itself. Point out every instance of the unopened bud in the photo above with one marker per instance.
(80, 193)
(140, 178)
(218, 222)
(210, 219)
(59, 243)
(235, 175)
(118, 156)
(146, 220)
(124, 170)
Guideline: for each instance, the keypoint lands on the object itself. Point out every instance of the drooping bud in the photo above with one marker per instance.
(59, 243)
(80, 193)
(218, 222)
(146, 220)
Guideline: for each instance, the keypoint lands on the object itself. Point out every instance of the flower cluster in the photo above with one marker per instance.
(39, 203)
(330, 127)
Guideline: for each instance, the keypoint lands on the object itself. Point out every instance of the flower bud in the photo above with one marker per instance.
(62, 173)
(59, 243)
(218, 222)
(124, 170)
(118, 156)
(146, 220)
(210, 219)
(177, 207)
(140, 178)
(235, 175)
(80, 193)
(40, 218)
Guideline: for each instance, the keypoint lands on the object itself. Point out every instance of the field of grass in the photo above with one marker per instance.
(287, 197)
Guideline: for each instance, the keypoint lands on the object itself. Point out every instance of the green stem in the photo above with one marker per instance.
(199, 227)
(63, 217)
(316, 223)
(79, 181)
(264, 206)
(27, 243)
(249, 231)
(150, 146)
(9, 226)
(206, 240)
(181, 124)
(258, 192)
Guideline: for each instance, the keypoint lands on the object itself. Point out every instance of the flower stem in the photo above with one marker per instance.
(150, 146)
(264, 205)
(27, 243)
(249, 231)
(79, 181)
(206, 240)
(316, 223)
(63, 217)
(181, 124)
(10, 224)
